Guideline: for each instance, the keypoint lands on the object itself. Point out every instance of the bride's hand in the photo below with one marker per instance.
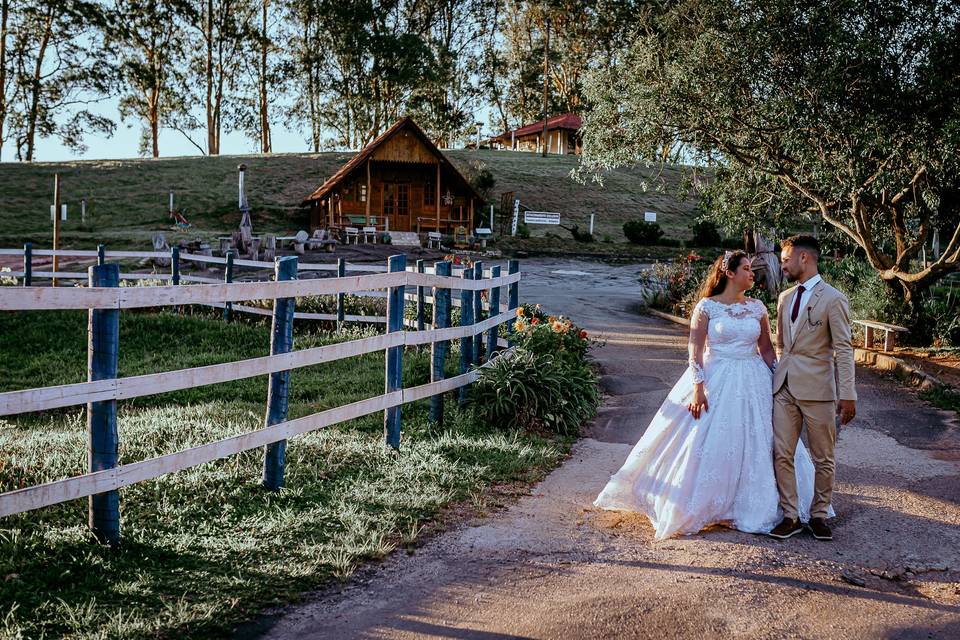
(699, 402)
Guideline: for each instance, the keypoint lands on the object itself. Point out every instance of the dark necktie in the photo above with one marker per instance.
(796, 303)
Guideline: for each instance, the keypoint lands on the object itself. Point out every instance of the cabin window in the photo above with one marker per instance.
(429, 193)
(347, 193)
(403, 199)
(388, 192)
(363, 193)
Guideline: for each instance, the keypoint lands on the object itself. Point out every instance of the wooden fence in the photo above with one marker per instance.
(104, 299)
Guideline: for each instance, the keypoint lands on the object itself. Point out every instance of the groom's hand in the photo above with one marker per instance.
(847, 410)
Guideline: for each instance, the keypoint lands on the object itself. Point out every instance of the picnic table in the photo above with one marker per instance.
(889, 336)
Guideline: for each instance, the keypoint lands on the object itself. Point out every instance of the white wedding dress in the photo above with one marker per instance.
(686, 473)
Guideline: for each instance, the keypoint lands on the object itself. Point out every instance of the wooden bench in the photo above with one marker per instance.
(352, 232)
(889, 336)
(369, 234)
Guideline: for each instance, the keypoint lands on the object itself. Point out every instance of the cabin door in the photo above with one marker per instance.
(396, 205)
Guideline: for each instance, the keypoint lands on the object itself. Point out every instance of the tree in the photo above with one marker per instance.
(842, 111)
(53, 66)
(149, 36)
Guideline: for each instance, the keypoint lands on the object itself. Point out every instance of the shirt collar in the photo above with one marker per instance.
(811, 282)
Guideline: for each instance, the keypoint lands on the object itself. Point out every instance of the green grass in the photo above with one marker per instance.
(207, 548)
(943, 397)
(127, 199)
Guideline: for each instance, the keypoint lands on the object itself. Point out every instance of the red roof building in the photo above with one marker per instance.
(563, 136)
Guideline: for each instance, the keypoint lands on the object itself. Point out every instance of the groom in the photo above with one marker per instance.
(813, 333)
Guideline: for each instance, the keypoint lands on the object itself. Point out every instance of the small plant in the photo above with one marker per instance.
(523, 231)
(641, 232)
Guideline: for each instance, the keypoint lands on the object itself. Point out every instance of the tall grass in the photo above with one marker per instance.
(208, 547)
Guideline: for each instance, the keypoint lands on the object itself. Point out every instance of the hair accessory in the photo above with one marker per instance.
(725, 265)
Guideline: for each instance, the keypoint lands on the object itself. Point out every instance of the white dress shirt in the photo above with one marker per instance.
(804, 298)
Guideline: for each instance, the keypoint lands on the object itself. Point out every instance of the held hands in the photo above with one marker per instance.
(699, 402)
(847, 410)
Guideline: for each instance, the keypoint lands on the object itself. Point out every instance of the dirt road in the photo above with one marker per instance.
(551, 566)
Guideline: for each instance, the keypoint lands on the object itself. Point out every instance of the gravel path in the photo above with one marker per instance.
(551, 566)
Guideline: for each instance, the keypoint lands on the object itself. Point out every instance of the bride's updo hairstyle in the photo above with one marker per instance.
(716, 280)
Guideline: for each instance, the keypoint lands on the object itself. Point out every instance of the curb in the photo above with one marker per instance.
(906, 373)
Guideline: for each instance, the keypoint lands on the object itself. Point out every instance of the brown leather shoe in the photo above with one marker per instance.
(788, 527)
(819, 529)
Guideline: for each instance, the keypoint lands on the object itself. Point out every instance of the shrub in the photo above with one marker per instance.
(523, 231)
(669, 242)
(674, 286)
(546, 384)
(641, 232)
(705, 234)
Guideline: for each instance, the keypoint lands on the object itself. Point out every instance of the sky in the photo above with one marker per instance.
(125, 142)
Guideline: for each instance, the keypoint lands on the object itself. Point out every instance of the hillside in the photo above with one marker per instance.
(127, 199)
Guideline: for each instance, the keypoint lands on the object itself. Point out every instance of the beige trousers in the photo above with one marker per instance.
(789, 417)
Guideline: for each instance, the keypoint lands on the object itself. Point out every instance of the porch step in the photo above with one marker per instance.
(405, 238)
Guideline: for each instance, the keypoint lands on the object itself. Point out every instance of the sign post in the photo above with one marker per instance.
(541, 217)
(516, 216)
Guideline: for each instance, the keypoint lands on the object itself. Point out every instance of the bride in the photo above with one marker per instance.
(707, 456)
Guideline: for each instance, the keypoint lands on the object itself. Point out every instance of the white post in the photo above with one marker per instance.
(63, 212)
(83, 211)
(936, 244)
(516, 216)
(171, 202)
(591, 223)
(513, 141)
(491, 218)
(53, 212)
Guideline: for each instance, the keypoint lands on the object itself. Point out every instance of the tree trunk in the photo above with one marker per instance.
(208, 38)
(35, 86)
(4, 12)
(265, 144)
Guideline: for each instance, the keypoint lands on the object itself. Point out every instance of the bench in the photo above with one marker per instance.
(433, 238)
(352, 232)
(889, 337)
(369, 233)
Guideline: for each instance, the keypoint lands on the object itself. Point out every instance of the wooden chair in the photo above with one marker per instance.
(433, 239)
(352, 232)
(370, 233)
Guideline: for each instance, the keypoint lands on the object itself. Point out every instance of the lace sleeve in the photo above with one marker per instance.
(699, 322)
(764, 343)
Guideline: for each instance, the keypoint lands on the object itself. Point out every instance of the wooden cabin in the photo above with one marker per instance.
(563, 136)
(399, 182)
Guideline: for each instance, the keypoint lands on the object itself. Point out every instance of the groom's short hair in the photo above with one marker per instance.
(804, 242)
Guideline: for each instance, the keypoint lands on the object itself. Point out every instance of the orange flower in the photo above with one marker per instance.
(552, 319)
(519, 312)
(557, 326)
(519, 325)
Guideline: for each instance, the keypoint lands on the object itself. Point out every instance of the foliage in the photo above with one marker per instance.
(704, 233)
(546, 384)
(208, 548)
(843, 112)
(642, 232)
(674, 285)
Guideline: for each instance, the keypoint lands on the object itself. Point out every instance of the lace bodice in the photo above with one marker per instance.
(719, 330)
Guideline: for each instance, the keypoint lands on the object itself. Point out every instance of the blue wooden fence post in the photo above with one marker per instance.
(101, 254)
(228, 278)
(493, 298)
(421, 292)
(28, 264)
(341, 272)
(394, 360)
(513, 293)
(281, 341)
(102, 354)
(438, 349)
(477, 312)
(175, 270)
(466, 320)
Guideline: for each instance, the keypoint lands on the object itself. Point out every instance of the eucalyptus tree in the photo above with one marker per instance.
(53, 68)
(149, 38)
(843, 111)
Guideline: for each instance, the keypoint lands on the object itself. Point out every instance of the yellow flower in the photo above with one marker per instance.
(519, 312)
(519, 325)
(552, 319)
(557, 326)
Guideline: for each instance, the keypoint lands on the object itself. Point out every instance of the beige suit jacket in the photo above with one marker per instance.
(816, 357)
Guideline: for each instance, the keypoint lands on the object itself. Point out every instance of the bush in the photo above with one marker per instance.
(546, 384)
(523, 231)
(670, 242)
(705, 234)
(674, 286)
(641, 232)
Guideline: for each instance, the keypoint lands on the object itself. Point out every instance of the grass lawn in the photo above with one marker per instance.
(208, 547)
(127, 199)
